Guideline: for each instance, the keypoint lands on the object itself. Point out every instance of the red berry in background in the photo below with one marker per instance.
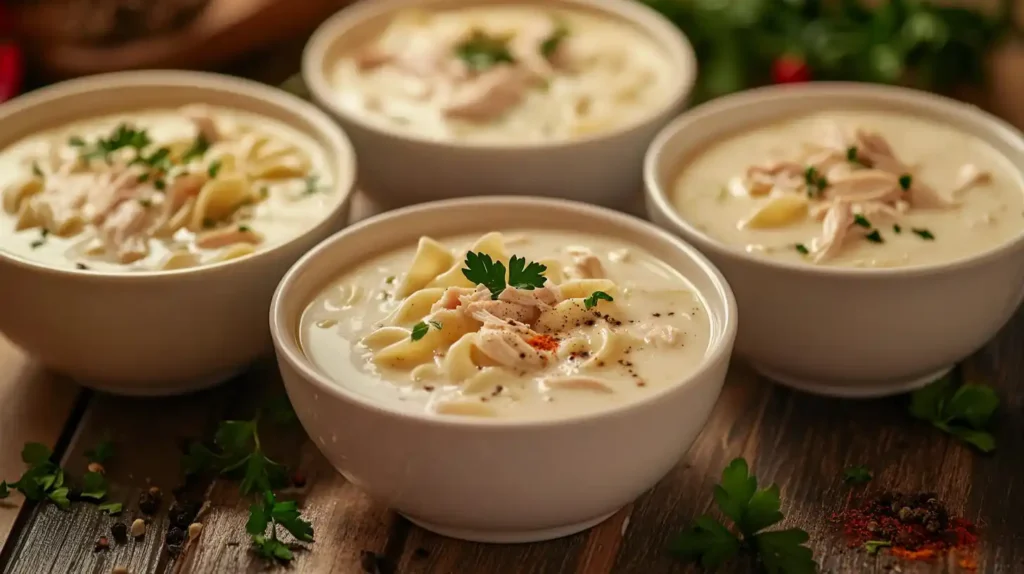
(790, 69)
(11, 67)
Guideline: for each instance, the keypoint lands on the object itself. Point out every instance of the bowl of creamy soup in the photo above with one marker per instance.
(874, 235)
(501, 352)
(148, 216)
(450, 98)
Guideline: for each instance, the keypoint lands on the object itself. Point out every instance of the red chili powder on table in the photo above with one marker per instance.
(916, 526)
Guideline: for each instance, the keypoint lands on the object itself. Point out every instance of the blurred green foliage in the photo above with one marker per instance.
(911, 42)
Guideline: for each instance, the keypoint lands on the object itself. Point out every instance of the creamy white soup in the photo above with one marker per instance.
(854, 188)
(160, 189)
(504, 73)
(530, 324)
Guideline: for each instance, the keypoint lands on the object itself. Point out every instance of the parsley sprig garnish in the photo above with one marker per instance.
(237, 451)
(123, 136)
(964, 412)
(595, 297)
(751, 510)
(419, 330)
(481, 51)
(482, 270)
(550, 44)
(46, 480)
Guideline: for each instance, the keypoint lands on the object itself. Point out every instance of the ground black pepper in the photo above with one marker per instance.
(175, 536)
(148, 503)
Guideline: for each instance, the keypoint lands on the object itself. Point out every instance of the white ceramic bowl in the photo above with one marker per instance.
(156, 333)
(494, 480)
(836, 331)
(400, 169)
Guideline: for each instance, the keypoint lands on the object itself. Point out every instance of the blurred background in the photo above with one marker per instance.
(971, 49)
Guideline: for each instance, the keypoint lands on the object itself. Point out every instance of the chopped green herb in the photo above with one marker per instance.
(43, 234)
(270, 512)
(550, 44)
(816, 183)
(160, 185)
(76, 141)
(419, 330)
(199, 147)
(111, 508)
(123, 136)
(923, 234)
(101, 452)
(802, 248)
(851, 154)
(751, 510)
(857, 475)
(595, 297)
(264, 192)
(4, 490)
(964, 412)
(143, 177)
(390, 279)
(873, 546)
(905, 181)
(44, 479)
(874, 237)
(312, 184)
(244, 228)
(214, 168)
(481, 51)
(523, 276)
(145, 202)
(36, 170)
(94, 486)
(896, 228)
(436, 324)
(862, 221)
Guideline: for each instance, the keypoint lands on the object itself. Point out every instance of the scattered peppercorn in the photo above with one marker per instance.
(148, 504)
(120, 531)
(175, 536)
(138, 528)
(194, 530)
(102, 544)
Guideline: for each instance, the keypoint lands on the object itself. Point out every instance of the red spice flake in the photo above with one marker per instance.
(918, 526)
(543, 343)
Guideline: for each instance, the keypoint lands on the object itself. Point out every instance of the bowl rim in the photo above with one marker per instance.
(657, 158)
(339, 146)
(661, 30)
(285, 333)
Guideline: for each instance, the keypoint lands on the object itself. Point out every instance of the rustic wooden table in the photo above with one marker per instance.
(799, 441)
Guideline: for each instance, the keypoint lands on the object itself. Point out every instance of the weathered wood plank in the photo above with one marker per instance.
(34, 407)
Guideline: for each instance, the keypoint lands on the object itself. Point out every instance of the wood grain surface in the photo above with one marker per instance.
(799, 441)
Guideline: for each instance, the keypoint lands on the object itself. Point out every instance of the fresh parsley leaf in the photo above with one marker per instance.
(199, 147)
(802, 249)
(963, 412)
(36, 170)
(906, 180)
(94, 486)
(751, 510)
(482, 270)
(101, 452)
(707, 542)
(481, 51)
(269, 512)
(851, 154)
(595, 297)
(874, 237)
(419, 330)
(76, 141)
(896, 228)
(214, 168)
(280, 410)
(288, 516)
(4, 490)
(259, 518)
(923, 234)
(35, 453)
(59, 497)
(436, 324)
(272, 548)
(873, 546)
(550, 45)
(858, 474)
(783, 552)
(862, 221)
(523, 276)
(111, 508)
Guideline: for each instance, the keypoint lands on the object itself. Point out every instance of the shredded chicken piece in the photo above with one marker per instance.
(662, 335)
(835, 228)
(507, 347)
(864, 185)
(124, 232)
(201, 117)
(970, 176)
(490, 94)
(588, 267)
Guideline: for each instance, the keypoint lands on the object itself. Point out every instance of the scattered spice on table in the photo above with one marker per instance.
(911, 526)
